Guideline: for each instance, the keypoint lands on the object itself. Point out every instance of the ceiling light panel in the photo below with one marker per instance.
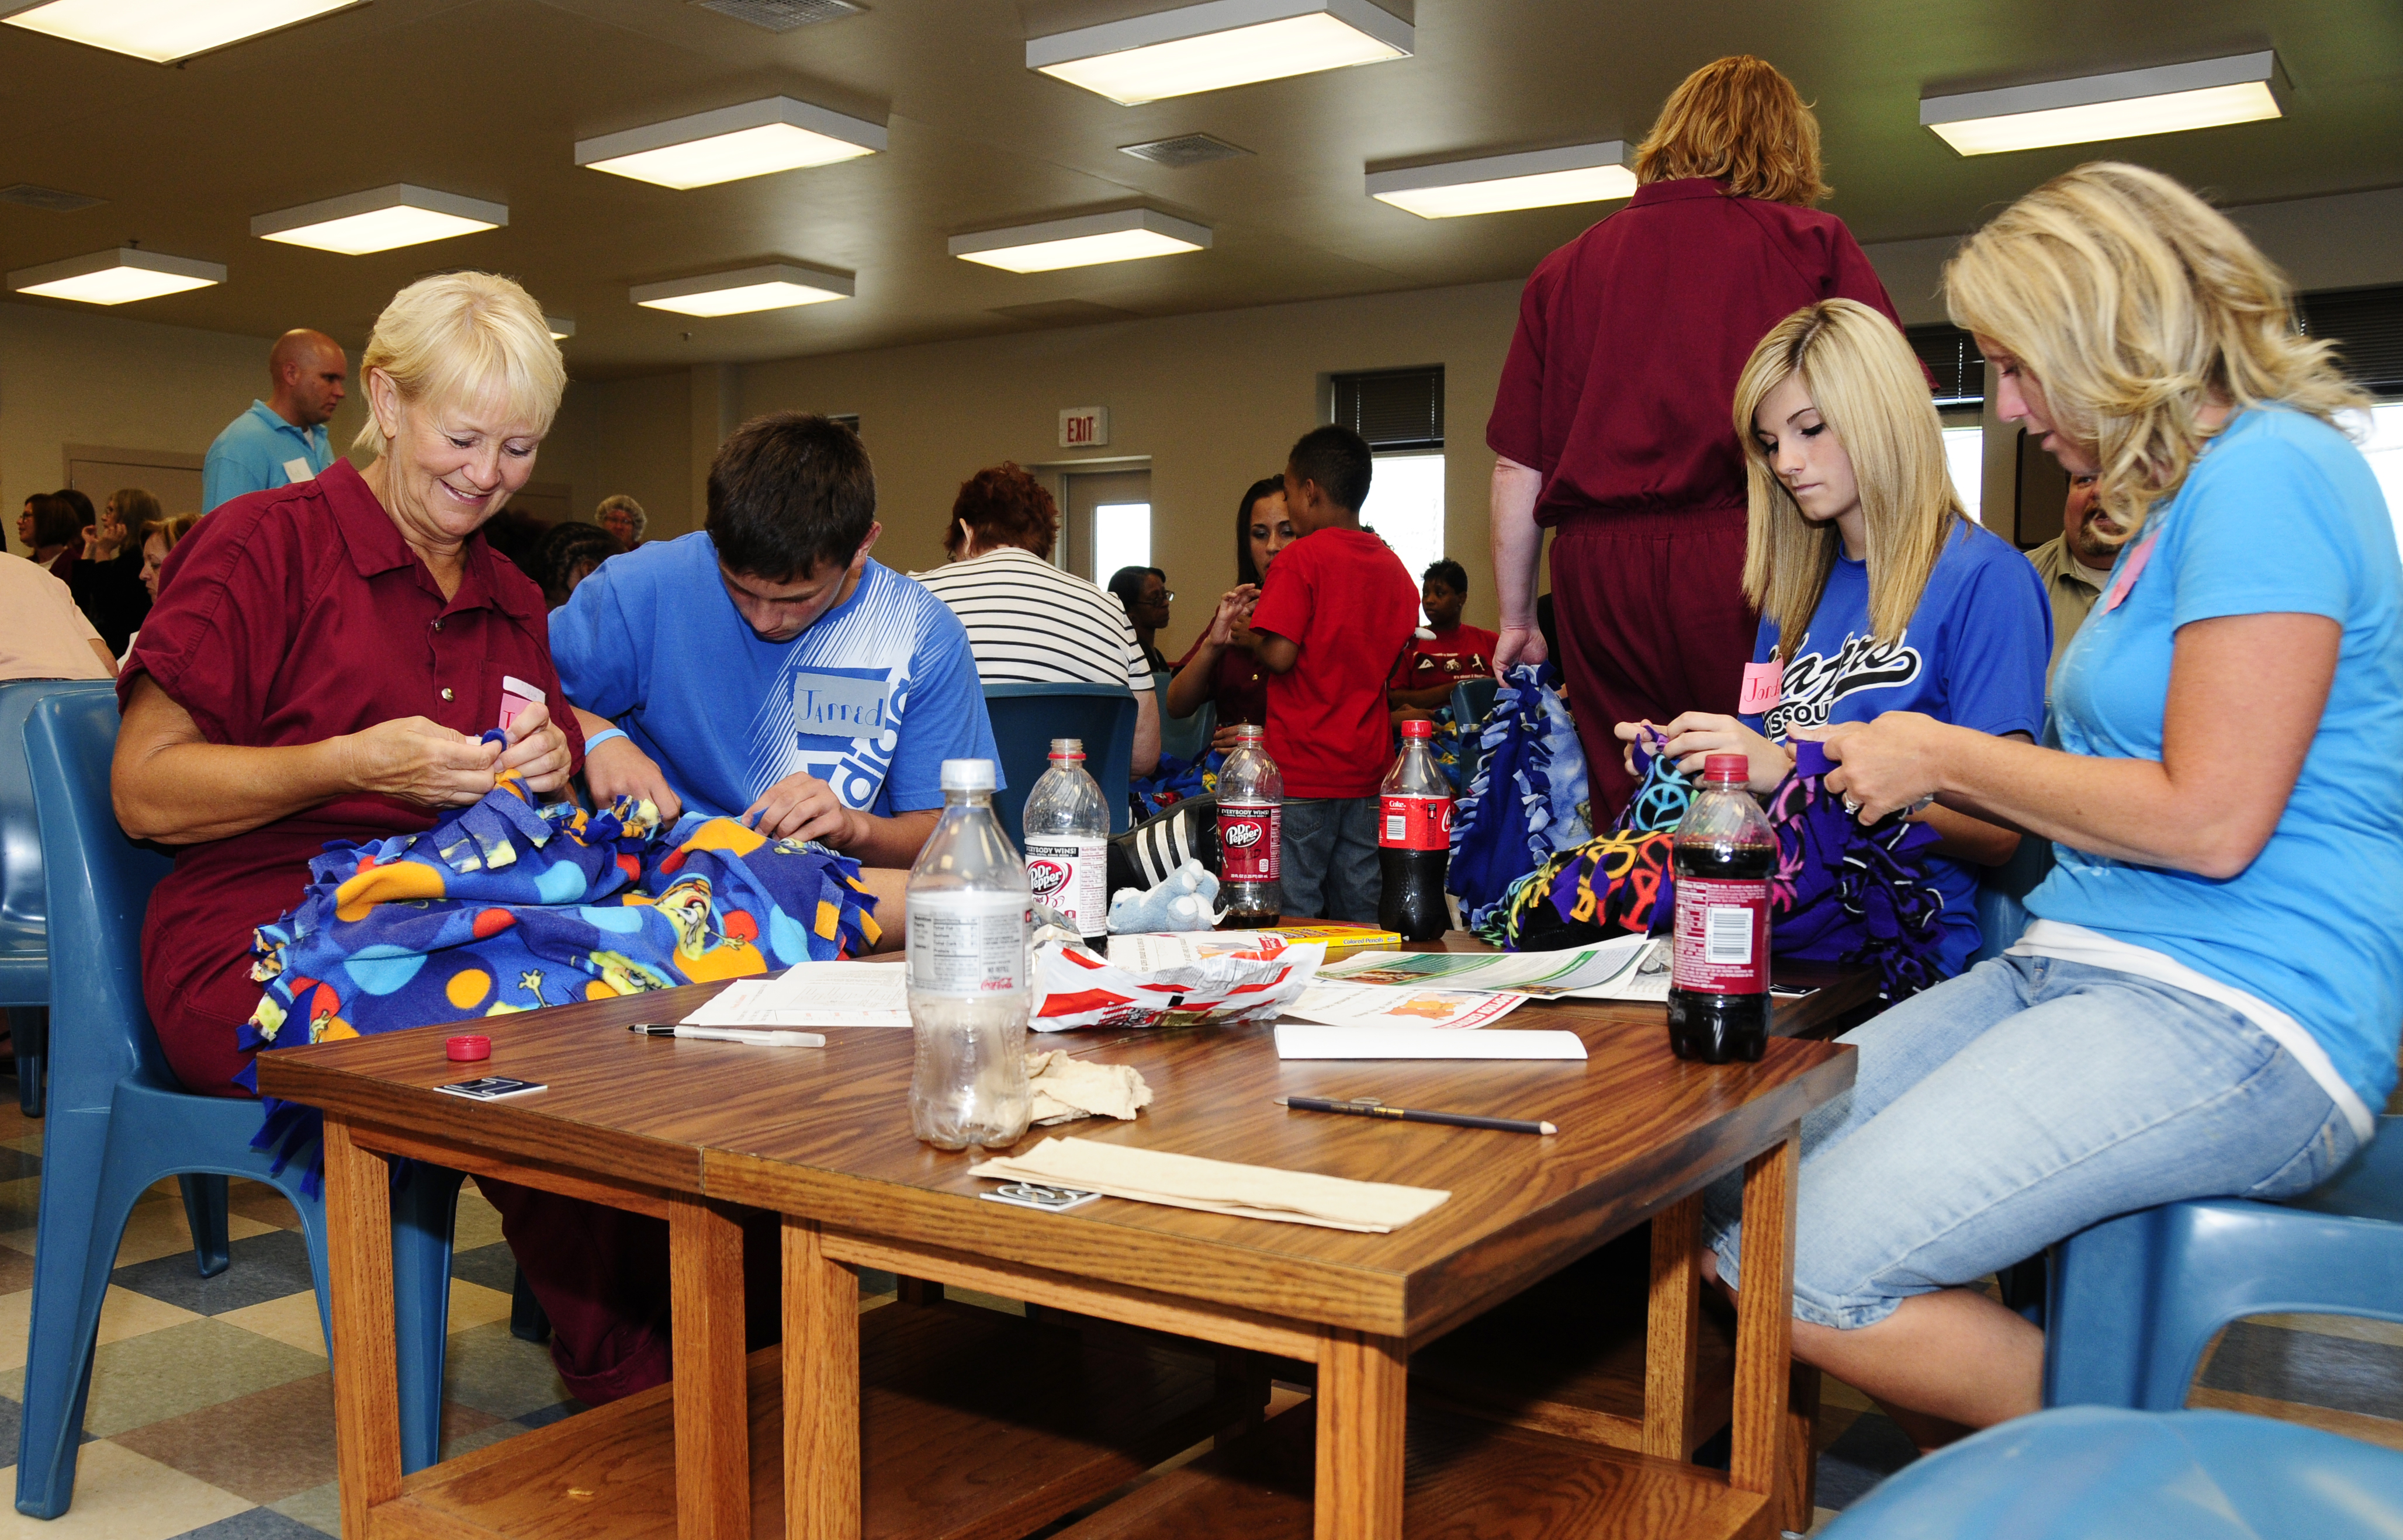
(1538, 179)
(116, 277)
(1219, 44)
(1088, 241)
(165, 31)
(755, 139)
(773, 285)
(2131, 104)
(362, 222)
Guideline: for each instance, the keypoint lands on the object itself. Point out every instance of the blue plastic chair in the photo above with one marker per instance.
(2084, 1473)
(2131, 1303)
(1186, 737)
(1471, 698)
(120, 1121)
(1025, 720)
(24, 933)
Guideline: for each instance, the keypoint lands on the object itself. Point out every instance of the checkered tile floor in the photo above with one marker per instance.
(210, 1412)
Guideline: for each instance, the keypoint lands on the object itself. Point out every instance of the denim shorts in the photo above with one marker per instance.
(2017, 1104)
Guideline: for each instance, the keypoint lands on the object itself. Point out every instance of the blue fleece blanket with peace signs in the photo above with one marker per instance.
(507, 906)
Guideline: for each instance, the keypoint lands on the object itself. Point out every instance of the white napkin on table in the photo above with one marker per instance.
(1216, 1186)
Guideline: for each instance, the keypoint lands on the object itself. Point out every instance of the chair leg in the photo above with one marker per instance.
(29, 1041)
(527, 1321)
(425, 1208)
(204, 1210)
(2097, 1311)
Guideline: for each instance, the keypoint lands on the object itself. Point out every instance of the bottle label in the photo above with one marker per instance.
(1072, 876)
(1250, 835)
(968, 946)
(1722, 944)
(1414, 823)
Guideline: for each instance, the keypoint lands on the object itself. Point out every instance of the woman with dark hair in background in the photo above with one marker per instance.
(1220, 667)
(106, 579)
(1142, 592)
(51, 536)
(567, 555)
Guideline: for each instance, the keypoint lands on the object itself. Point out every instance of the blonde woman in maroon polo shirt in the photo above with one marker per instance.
(1611, 425)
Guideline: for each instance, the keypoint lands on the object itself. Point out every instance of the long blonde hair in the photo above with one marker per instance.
(1738, 118)
(2135, 305)
(1870, 393)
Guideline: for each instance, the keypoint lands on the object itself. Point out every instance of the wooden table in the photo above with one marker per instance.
(686, 1131)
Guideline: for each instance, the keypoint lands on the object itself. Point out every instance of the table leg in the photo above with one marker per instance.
(1362, 1385)
(821, 1484)
(359, 1273)
(1671, 1338)
(1764, 1319)
(713, 1452)
(1797, 1486)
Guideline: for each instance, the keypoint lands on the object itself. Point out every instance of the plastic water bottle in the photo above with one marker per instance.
(1067, 825)
(970, 918)
(1414, 840)
(1251, 833)
(1718, 974)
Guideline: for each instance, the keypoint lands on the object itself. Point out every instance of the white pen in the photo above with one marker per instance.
(756, 1038)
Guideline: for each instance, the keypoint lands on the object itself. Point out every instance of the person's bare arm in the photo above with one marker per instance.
(1962, 838)
(171, 784)
(619, 769)
(1517, 548)
(1146, 733)
(2246, 696)
(1194, 684)
(100, 650)
(1276, 654)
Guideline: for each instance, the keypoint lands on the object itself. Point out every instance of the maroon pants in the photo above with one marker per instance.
(1652, 621)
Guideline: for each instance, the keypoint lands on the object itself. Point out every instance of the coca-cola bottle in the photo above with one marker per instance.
(1414, 840)
(1251, 833)
(1719, 977)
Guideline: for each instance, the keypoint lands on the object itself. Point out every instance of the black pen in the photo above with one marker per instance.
(1368, 1107)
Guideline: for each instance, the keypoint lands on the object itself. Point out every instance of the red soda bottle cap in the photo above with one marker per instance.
(1726, 767)
(1418, 726)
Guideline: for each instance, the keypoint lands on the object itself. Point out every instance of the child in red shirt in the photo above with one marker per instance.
(1446, 652)
(1334, 615)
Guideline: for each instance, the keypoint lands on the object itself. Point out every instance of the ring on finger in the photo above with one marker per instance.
(1851, 804)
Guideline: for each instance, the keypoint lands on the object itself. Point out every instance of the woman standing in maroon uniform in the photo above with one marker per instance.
(1611, 424)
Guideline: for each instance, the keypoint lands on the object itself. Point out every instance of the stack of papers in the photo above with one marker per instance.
(1626, 968)
(1364, 1005)
(813, 995)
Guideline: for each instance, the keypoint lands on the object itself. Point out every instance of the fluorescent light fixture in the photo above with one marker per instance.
(362, 222)
(2241, 88)
(772, 285)
(1087, 240)
(755, 139)
(114, 277)
(164, 31)
(561, 327)
(1219, 44)
(1538, 179)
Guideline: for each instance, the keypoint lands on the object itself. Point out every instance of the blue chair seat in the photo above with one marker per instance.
(2088, 1473)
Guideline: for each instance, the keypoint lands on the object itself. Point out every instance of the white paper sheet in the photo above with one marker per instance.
(1598, 972)
(813, 995)
(1303, 1040)
(1369, 1006)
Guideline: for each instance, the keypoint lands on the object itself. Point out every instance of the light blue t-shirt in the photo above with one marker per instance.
(871, 698)
(2280, 515)
(1973, 655)
(259, 450)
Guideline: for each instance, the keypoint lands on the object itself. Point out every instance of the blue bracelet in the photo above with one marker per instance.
(600, 738)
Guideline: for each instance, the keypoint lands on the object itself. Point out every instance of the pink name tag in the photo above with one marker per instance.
(2130, 569)
(1763, 685)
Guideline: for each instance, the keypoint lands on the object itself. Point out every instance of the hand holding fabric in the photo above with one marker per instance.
(1890, 763)
(617, 769)
(537, 750)
(1514, 644)
(1692, 735)
(421, 761)
(802, 807)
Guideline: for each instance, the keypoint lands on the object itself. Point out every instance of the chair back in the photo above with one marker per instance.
(25, 936)
(1186, 737)
(98, 886)
(1471, 698)
(1025, 720)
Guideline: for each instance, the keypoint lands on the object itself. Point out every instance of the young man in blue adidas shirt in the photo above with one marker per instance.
(767, 668)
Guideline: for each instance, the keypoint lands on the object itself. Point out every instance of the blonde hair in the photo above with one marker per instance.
(619, 502)
(136, 506)
(1737, 118)
(1867, 384)
(459, 338)
(171, 529)
(2135, 305)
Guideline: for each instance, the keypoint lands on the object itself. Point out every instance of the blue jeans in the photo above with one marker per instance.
(1330, 859)
(2017, 1104)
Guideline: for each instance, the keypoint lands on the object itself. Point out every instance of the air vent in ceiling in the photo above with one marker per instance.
(26, 195)
(1186, 150)
(782, 14)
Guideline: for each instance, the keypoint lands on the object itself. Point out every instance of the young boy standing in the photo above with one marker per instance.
(1446, 652)
(1334, 615)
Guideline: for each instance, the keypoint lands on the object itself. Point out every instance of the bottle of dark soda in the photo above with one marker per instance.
(1718, 978)
(1414, 840)
(1251, 833)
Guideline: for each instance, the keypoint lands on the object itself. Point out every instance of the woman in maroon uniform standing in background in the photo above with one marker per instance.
(1611, 424)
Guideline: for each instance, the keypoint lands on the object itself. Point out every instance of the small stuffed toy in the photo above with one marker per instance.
(1186, 899)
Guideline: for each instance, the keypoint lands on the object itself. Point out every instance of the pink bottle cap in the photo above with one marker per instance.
(469, 1050)
(1726, 767)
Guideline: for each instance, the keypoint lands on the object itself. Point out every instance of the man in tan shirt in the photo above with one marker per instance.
(42, 634)
(2075, 565)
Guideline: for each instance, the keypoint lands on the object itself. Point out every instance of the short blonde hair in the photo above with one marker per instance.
(466, 337)
(1737, 118)
(2135, 305)
(1867, 386)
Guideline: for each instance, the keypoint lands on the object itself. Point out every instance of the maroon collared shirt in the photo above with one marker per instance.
(290, 617)
(1620, 384)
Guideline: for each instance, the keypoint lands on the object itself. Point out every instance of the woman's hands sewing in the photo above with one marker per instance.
(1894, 760)
(1692, 735)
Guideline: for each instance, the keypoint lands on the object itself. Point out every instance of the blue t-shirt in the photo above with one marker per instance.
(871, 698)
(259, 451)
(1973, 655)
(2282, 515)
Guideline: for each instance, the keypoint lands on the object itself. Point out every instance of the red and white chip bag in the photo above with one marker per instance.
(1073, 988)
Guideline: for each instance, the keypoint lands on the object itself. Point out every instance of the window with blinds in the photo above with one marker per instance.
(1392, 409)
(2366, 325)
(1952, 356)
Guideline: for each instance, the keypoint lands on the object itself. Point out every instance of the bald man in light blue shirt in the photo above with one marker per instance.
(281, 439)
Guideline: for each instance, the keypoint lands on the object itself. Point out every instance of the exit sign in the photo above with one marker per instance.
(1084, 427)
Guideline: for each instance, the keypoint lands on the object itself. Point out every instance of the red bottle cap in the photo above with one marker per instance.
(468, 1050)
(1726, 767)
(1418, 726)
